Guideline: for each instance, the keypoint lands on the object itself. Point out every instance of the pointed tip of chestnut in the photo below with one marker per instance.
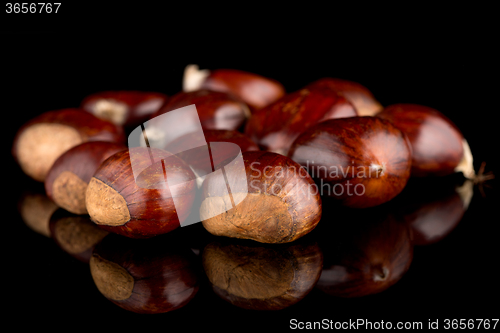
(215, 109)
(466, 164)
(482, 178)
(360, 96)
(255, 90)
(127, 108)
(193, 77)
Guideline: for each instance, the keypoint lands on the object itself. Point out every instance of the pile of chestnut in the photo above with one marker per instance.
(331, 138)
(327, 152)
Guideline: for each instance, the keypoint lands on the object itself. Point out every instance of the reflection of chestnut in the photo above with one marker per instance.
(67, 179)
(278, 201)
(145, 276)
(262, 277)
(216, 110)
(360, 161)
(365, 256)
(433, 214)
(75, 234)
(275, 127)
(36, 209)
(144, 206)
(124, 108)
(362, 98)
(255, 90)
(40, 141)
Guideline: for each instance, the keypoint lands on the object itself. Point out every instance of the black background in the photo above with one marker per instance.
(440, 59)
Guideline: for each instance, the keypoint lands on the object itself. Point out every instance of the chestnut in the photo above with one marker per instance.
(255, 90)
(365, 256)
(36, 208)
(216, 110)
(278, 201)
(262, 277)
(438, 146)
(360, 96)
(40, 141)
(129, 195)
(193, 139)
(360, 161)
(145, 276)
(128, 108)
(242, 140)
(200, 159)
(75, 234)
(67, 179)
(275, 127)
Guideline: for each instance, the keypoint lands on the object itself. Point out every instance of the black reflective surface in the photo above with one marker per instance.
(451, 274)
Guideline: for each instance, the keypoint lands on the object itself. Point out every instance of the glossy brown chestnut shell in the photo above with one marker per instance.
(438, 146)
(128, 108)
(40, 141)
(262, 277)
(216, 110)
(277, 203)
(243, 141)
(145, 276)
(360, 96)
(140, 207)
(361, 161)
(67, 179)
(196, 157)
(255, 90)
(195, 140)
(275, 127)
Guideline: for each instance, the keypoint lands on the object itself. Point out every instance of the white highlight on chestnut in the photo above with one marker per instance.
(111, 110)
(466, 165)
